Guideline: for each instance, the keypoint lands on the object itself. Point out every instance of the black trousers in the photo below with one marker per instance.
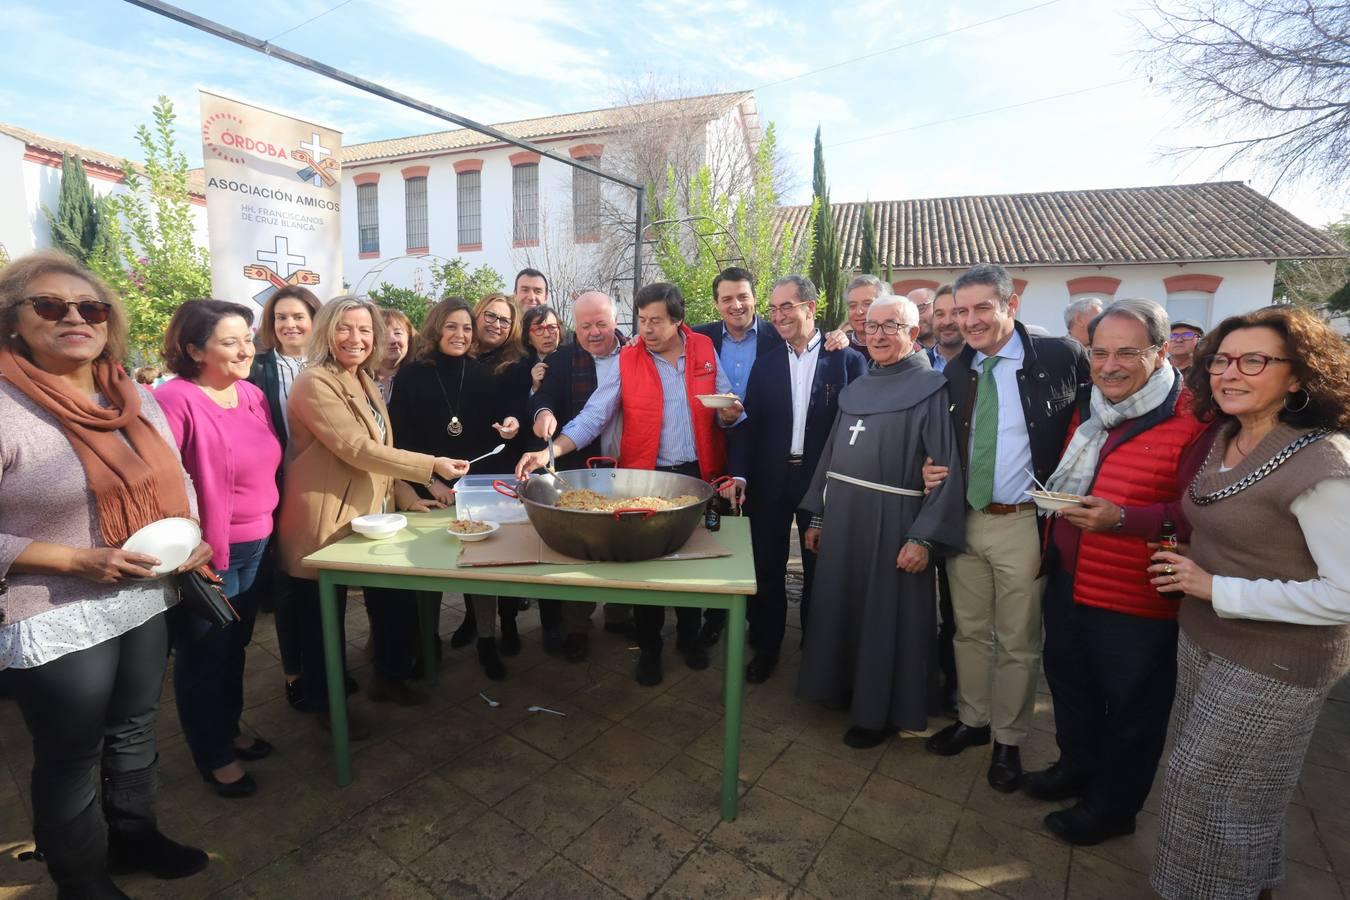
(771, 519)
(1112, 676)
(946, 653)
(93, 707)
(393, 622)
(208, 667)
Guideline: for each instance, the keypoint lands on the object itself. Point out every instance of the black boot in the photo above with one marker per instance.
(493, 667)
(135, 843)
(77, 858)
(467, 630)
(510, 643)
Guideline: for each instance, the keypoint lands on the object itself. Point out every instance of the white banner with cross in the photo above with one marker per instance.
(273, 202)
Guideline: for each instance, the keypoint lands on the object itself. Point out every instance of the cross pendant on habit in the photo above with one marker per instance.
(856, 429)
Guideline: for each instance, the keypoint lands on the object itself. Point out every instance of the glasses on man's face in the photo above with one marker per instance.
(891, 328)
(1247, 363)
(1185, 335)
(1126, 355)
(542, 330)
(784, 309)
(922, 306)
(54, 309)
(491, 318)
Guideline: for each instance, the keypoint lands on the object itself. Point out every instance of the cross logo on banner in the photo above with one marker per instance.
(281, 252)
(315, 151)
(279, 256)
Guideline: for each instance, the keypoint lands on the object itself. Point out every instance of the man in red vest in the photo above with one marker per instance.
(665, 428)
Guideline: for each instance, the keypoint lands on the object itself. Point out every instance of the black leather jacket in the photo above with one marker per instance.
(1053, 368)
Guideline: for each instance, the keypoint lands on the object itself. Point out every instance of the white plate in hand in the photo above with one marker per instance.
(718, 401)
(171, 541)
(1054, 501)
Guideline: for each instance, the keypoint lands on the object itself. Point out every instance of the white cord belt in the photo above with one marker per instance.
(872, 485)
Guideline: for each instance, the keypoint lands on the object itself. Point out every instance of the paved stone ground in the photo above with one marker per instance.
(619, 799)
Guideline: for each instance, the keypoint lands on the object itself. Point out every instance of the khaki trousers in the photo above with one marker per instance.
(996, 598)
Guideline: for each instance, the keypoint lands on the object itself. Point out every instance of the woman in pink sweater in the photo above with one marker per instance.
(230, 449)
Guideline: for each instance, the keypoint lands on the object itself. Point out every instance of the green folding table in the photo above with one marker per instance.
(423, 558)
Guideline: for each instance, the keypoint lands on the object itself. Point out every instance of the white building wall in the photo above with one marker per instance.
(26, 186)
(1245, 286)
(555, 227)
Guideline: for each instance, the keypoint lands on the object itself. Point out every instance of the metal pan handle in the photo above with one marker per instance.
(647, 512)
(505, 489)
(591, 461)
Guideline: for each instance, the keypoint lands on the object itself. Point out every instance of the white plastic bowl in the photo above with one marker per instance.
(380, 526)
(171, 541)
(493, 528)
(718, 401)
(1054, 501)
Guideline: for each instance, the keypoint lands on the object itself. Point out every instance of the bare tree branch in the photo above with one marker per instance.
(1273, 75)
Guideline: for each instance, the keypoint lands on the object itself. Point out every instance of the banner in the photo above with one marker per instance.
(273, 202)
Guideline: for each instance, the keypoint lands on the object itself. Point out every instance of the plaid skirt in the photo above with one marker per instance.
(1240, 740)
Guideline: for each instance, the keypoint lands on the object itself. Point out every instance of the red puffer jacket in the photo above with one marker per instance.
(1137, 471)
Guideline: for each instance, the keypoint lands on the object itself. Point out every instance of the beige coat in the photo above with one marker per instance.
(337, 467)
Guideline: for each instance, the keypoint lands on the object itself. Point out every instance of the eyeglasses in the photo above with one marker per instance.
(490, 318)
(784, 309)
(1185, 335)
(544, 329)
(891, 328)
(1124, 354)
(1247, 363)
(54, 309)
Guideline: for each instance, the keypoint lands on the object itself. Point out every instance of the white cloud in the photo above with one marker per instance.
(545, 41)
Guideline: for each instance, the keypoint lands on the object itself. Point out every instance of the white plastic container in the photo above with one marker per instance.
(475, 499)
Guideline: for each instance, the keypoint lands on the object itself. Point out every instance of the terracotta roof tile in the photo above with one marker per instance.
(1172, 223)
(196, 180)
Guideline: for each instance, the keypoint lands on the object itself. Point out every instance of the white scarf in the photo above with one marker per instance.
(1079, 464)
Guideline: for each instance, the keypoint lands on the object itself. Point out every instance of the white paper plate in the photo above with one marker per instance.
(1053, 501)
(171, 541)
(717, 401)
(493, 528)
(380, 525)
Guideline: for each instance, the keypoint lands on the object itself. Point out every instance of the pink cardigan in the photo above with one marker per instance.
(210, 453)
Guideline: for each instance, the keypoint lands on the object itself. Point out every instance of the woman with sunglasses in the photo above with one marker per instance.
(283, 337)
(1265, 620)
(228, 446)
(86, 460)
(446, 403)
(496, 346)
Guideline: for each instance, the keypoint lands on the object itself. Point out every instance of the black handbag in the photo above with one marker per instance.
(202, 593)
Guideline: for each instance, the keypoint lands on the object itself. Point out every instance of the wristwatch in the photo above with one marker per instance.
(1120, 523)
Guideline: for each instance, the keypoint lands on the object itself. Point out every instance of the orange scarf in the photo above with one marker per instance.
(135, 481)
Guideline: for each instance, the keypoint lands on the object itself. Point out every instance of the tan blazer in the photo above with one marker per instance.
(337, 467)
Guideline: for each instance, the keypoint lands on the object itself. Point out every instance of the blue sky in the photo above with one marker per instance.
(89, 71)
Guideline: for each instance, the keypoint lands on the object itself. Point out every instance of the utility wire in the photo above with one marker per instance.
(913, 43)
(985, 112)
(310, 19)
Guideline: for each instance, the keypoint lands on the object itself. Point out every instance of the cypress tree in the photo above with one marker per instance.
(867, 258)
(75, 226)
(825, 260)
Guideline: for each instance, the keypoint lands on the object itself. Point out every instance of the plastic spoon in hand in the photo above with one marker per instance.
(493, 452)
(1037, 481)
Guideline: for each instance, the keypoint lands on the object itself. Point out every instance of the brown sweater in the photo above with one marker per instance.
(1254, 534)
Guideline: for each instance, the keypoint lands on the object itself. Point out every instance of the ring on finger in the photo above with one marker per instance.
(1170, 570)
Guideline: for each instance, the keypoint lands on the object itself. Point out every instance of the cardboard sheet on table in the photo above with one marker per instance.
(520, 545)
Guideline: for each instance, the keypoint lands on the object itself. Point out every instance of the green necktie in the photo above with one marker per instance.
(980, 485)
